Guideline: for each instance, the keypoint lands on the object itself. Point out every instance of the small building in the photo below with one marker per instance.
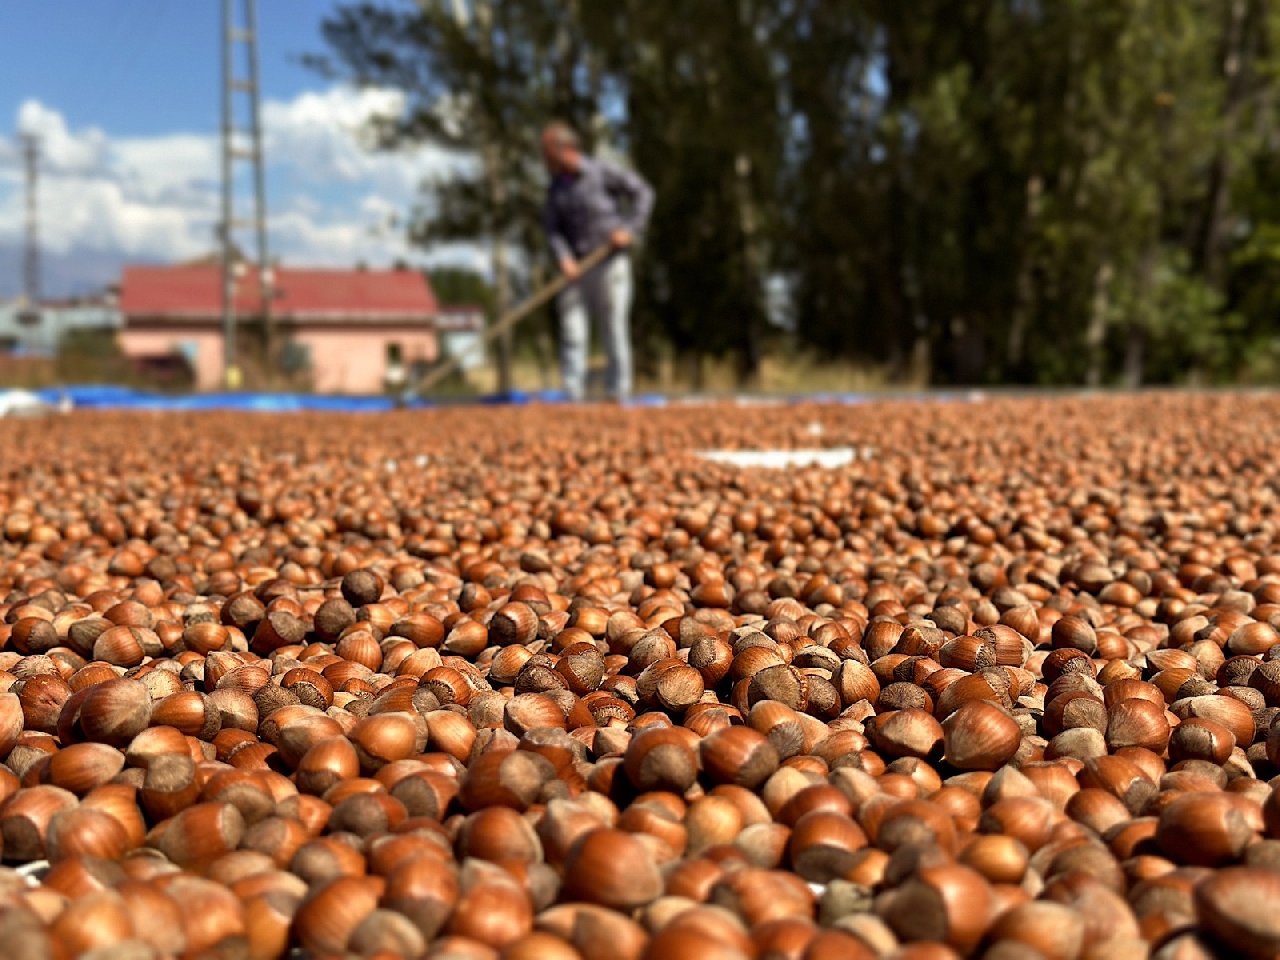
(348, 331)
(41, 330)
(461, 335)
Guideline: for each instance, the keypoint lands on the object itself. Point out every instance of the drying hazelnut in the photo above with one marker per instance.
(114, 712)
(907, 733)
(326, 920)
(613, 869)
(950, 904)
(491, 908)
(1137, 722)
(738, 755)
(980, 736)
(1206, 829)
(1238, 906)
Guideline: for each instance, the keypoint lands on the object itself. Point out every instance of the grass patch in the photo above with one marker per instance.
(780, 373)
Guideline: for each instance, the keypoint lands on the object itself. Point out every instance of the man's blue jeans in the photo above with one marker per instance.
(602, 296)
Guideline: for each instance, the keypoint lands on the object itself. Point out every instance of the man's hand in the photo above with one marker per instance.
(569, 267)
(620, 239)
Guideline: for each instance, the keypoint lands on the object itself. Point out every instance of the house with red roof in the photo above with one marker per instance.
(348, 331)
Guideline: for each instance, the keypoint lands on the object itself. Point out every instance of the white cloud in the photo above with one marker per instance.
(326, 243)
(156, 167)
(62, 150)
(97, 210)
(378, 207)
(331, 201)
(325, 135)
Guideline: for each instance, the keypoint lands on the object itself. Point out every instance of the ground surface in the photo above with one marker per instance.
(542, 682)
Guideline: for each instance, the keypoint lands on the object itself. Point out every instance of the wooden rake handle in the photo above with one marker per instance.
(515, 315)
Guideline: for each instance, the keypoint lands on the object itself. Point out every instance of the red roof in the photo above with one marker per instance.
(194, 292)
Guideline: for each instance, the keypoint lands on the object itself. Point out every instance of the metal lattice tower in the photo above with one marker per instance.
(31, 255)
(235, 148)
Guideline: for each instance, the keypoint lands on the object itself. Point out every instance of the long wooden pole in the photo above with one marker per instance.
(230, 364)
(513, 316)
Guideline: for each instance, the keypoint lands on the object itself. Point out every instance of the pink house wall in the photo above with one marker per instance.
(208, 350)
(355, 361)
(343, 360)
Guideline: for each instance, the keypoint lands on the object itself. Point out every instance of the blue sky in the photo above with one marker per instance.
(142, 66)
(125, 95)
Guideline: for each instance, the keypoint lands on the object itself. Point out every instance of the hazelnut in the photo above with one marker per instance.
(613, 869)
(980, 736)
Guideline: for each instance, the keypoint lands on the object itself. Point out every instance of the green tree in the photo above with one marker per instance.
(480, 77)
(700, 117)
(963, 190)
(458, 286)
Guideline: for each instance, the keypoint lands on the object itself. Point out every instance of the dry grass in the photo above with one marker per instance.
(779, 374)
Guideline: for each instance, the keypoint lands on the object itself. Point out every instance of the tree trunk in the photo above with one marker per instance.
(749, 350)
(1096, 332)
(1211, 248)
(906, 320)
(1135, 353)
(1135, 346)
(501, 279)
(1136, 339)
(921, 363)
(496, 187)
(691, 362)
(567, 55)
(1015, 347)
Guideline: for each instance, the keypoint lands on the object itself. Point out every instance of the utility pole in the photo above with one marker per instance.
(230, 369)
(31, 256)
(233, 149)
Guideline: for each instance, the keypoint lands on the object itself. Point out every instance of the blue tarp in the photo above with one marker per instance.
(519, 398)
(112, 397)
(89, 395)
(108, 397)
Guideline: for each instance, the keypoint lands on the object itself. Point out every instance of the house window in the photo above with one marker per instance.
(187, 349)
(395, 375)
(295, 357)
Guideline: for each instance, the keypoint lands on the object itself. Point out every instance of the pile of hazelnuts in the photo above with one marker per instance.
(506, 684)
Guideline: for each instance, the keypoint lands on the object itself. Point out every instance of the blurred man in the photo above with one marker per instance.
(592, 203)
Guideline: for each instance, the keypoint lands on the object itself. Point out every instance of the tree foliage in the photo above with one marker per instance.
(1076, 191)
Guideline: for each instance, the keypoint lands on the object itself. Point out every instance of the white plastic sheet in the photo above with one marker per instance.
(827, 457)
(24, 403)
